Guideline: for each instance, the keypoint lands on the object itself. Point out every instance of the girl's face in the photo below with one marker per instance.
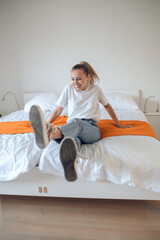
(79, 79)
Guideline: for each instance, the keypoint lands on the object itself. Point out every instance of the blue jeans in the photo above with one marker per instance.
(83, 131)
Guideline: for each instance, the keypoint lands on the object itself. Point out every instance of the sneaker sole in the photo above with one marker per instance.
(68, 155)
(37, 121)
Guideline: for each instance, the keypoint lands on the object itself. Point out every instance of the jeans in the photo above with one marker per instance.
(83, 131)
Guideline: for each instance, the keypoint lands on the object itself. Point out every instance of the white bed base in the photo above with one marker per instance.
(36, 183)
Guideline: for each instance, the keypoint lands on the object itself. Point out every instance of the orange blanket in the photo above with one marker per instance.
(107, 127)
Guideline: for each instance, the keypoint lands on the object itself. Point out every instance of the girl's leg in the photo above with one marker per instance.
(43, 132)
(82, 130)
(69, 130)
(90, 133)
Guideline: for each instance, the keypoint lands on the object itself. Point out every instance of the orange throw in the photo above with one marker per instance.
(107, 127)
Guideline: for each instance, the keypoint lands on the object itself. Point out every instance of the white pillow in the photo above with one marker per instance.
(46, 101)
(121, 101)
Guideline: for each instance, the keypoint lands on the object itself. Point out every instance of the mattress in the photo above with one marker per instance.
(130, 160)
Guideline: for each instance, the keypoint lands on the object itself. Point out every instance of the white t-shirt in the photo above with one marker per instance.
(82, 104)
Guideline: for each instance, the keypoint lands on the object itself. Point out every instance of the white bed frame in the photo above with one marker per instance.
(36, 183)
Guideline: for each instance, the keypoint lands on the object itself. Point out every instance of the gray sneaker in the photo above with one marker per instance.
(36, 119)
(68, 155)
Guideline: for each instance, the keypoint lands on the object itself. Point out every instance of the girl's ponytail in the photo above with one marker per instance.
(87, 68)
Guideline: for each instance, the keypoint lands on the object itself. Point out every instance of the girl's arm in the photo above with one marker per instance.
(112, 114)
(56, 113)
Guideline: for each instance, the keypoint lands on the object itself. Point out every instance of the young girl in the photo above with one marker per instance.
(83, 98)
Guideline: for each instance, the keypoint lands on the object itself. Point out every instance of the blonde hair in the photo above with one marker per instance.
(87, 68)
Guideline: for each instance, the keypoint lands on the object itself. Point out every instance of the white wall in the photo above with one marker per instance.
(40, 40)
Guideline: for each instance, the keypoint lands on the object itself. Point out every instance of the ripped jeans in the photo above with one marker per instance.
(83, 131)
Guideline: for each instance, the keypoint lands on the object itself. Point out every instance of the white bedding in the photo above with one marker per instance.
(131, 160)
(18, 152)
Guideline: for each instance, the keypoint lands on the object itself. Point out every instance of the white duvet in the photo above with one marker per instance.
(130, 160)
(18, 152)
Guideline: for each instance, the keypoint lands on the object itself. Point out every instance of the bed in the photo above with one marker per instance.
(119, 167)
